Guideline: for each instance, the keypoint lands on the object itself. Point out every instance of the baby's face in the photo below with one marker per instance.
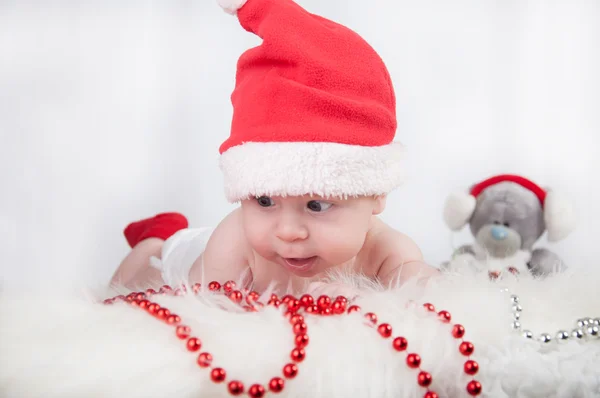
(308, 234)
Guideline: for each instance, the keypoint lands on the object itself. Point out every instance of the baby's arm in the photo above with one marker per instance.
(402, 260)
(226, 255)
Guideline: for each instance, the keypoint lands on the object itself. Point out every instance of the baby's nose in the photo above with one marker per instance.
(499, 233)
(290, 230)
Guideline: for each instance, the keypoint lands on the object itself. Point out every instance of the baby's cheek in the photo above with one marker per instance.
(340, 246)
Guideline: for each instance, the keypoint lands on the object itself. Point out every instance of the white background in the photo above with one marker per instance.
(112, 111)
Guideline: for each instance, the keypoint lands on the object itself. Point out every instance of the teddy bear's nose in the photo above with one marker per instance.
(499, 233)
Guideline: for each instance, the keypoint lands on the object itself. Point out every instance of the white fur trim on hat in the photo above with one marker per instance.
(310, 168)
(559, 216)
(231, 6)
(458, 209)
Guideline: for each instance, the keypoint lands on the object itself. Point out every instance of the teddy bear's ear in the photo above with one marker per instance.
(458, 209)
(559, 216)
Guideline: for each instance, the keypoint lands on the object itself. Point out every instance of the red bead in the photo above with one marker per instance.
(342, 299)
(236, 296)
(298, 355)
(385, 330)
(430, 394)
(274, 297)
(235, 387)
(466, 348)
(150, 292)
(204, 359)
(252, 297)
(327, 311)
(296, 318)
(301, 340)
(300, 328)
(218, 375)
(474, 387)
(353, 308)
(152, 308)
(306, 300)
(183, 332)
(275, 303)
(400, 343)
(293, 305)
(424, 379)
(196, 288)
(144, 303)
(430, 307)
(140, 296)
(165, 289)
(471, 367)
(287, 298)
(173, 319)
(371, 317)
(312, 309)
(276, 384)
(193, 344)
(229, 286)
(256, 391)
(109, 301)
(163, 313)
(513, 270)
(214, 286)
(323, 302)
(179, 292)
(444, 316)
(338, 307)
(458, 331)
(290, 370)
(413, 360)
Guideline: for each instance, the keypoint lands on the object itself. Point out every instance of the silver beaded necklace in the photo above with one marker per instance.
(585, 329)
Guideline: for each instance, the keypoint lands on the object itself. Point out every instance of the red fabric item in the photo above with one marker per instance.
(311, 80)
(161, 226)
(524, 182)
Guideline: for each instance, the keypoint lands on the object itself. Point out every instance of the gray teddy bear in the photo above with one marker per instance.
(507, 214)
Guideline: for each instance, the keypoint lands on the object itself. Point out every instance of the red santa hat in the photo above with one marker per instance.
(559, 215)
(314, 110)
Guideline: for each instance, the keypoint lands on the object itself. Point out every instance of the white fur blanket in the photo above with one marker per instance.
(57, 344)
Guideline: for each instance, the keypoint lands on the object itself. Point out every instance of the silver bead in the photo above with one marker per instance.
(593, 331)
(582, 323)
(590, 321)
(516, 325)
(597, 321)
(577, 334)
(528, 334)
(545, 338)
(517, 308)
(516, 316)
(562, 336)
(514, 299)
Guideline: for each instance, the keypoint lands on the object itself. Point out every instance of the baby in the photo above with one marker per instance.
(311, 159)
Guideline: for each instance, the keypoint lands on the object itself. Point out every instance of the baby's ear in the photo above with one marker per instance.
(380, 201)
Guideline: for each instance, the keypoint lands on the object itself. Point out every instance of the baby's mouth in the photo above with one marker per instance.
(301, 264)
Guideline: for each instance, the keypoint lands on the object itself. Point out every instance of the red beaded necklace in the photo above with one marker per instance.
(295, 308)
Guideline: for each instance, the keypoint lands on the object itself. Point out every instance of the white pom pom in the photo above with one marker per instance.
(458, 209)
(231, 6)
(559, 216)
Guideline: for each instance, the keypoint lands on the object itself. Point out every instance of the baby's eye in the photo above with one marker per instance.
(318, 206)
(265, 201)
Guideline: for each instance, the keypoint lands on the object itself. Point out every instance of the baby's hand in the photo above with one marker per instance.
(332, 289)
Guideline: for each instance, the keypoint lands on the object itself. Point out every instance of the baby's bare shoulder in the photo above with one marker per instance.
(393, 244)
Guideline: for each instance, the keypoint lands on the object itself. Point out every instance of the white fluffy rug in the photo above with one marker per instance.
(65, 345)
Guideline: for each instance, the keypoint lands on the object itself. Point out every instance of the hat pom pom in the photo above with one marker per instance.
(458, 209)
(231, 6)
(559, 216)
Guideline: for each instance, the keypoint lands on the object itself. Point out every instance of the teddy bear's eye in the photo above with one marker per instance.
(507, 224)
